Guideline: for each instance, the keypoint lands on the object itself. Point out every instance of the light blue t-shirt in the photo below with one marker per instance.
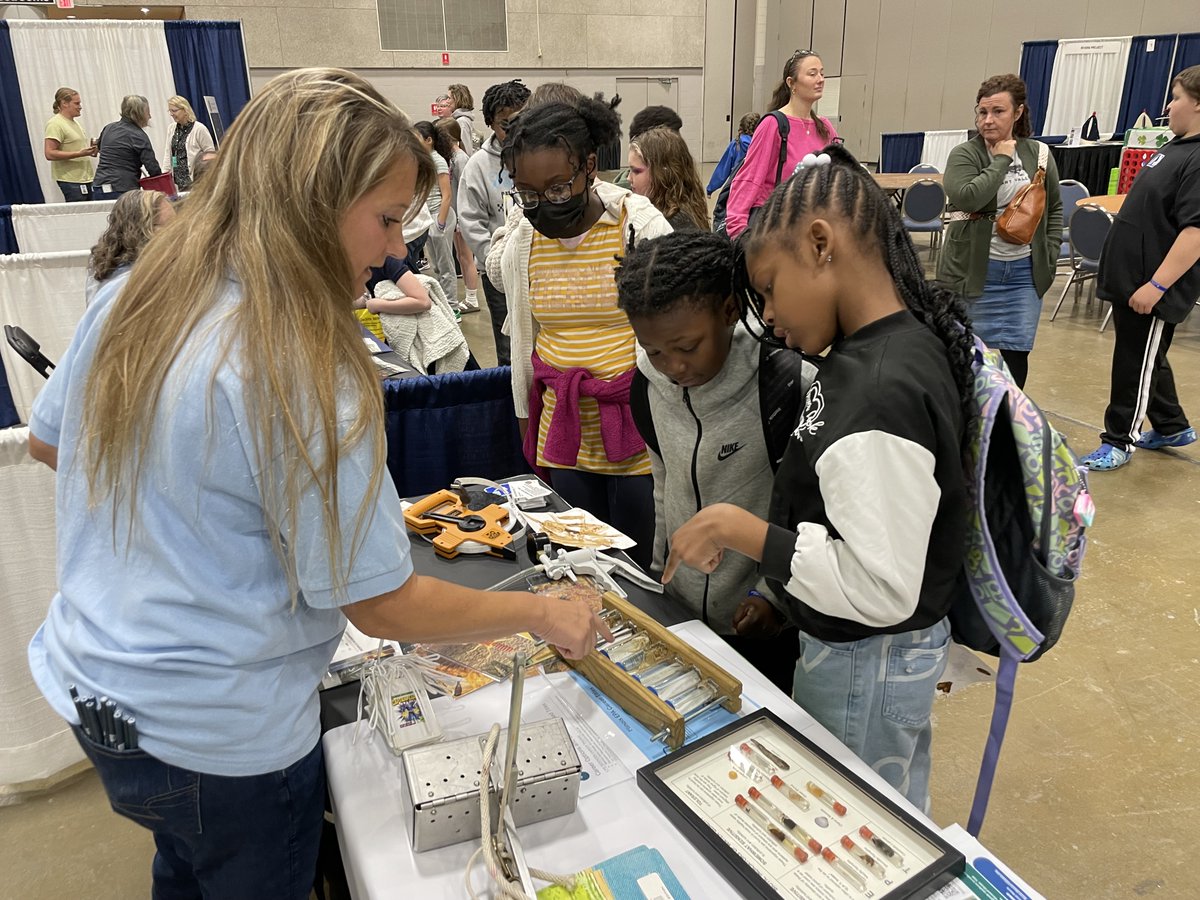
(188, 625)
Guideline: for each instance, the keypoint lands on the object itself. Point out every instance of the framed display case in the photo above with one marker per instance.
(779, 817)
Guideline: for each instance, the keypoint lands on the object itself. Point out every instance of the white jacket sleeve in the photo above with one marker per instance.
(881, 498)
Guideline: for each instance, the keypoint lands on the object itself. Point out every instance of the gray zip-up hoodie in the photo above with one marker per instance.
(713, 451)
(466, 129)
(481, 204)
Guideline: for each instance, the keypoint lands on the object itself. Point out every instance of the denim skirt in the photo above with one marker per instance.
(1006, 316)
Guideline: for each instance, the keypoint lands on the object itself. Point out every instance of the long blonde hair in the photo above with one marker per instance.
(130, 226)
(310, 144)
(675, 185)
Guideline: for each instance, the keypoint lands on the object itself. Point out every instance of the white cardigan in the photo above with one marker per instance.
(198, 140)
(508, 268)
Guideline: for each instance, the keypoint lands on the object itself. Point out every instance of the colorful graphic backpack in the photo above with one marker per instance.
(1029, 508)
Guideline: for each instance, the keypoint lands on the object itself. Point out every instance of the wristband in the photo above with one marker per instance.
(1159, 286)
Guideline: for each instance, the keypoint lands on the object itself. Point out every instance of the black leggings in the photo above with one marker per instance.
(1018, 363)
(626, 502)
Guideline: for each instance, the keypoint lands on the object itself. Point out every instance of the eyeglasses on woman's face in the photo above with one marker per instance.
(556, 193)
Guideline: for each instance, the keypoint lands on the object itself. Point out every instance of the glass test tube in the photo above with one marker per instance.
(865, 859)
(790, 824)
(695, 698)
(828, 800)
(849, 872)
(891, 853)
(679, 685)
(791, 793)
(770, 828)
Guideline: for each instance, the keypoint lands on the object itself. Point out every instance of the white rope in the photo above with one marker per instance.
(487, 848)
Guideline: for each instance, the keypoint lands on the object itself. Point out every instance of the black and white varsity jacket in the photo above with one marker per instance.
(868, 512)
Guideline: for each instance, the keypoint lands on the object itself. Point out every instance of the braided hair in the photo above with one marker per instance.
(506, 95)
(692, 267)
(578, 128)
(845, 190)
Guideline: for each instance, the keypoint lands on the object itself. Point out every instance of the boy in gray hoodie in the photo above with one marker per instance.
(482, 205)
(696, 401)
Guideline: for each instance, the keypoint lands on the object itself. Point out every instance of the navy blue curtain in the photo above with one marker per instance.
(901, 150)
(1187, 53)
(440, 427)
(8, 237)
(18, 175)
(1037, 63)
(207, 59)
(1146, 80)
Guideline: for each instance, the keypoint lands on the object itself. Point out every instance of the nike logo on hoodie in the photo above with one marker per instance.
(727, 450)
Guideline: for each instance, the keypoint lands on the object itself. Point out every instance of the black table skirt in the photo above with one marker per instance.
(1090, 165)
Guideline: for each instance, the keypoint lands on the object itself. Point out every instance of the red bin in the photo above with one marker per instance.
(163, 182)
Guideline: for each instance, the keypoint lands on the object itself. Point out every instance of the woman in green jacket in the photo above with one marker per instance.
(1004, 282)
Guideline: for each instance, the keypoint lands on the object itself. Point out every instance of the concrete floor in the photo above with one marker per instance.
(1096, 794)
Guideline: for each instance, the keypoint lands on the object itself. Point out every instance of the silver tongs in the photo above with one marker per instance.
(505, 843)
(600, 566)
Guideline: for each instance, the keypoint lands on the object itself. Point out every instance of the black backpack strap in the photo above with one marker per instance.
(639, 406)
(780, 397)
(781, 121)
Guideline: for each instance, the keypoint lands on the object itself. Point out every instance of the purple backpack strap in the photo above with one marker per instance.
(1006, 676)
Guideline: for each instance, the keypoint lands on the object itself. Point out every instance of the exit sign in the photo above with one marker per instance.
(65, 4)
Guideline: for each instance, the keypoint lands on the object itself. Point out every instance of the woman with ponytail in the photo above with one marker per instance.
(802, 85)
(864, 543)
(573, 351)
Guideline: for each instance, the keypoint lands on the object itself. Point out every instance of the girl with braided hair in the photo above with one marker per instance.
(864, 542)
(573, 352)
(703, 391)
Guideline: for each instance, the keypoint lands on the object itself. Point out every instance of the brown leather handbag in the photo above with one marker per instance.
(1019, 221)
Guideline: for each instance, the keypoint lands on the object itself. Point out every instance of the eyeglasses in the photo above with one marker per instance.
(556, 193)
(800, 54)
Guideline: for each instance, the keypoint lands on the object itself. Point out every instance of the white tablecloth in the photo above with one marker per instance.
(937, 147)
(59, 227)
(365, 785)
(34, 742)
(42, 293)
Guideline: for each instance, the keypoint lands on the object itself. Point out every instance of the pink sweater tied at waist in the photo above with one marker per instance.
(617, 429)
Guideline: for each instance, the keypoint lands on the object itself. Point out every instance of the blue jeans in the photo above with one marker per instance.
(875, 695)
(220, 836)
(74, 193)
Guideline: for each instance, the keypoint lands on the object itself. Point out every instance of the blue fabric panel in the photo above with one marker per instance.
(901, 150)
(18, 174)
(8, 235)
(1037, 63)
(207, 59)
(1147, 78)
(8, 412)
(1187, 53)
(441, 427)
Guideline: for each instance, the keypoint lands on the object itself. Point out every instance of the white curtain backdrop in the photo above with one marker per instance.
(104, 61)
(936, 150)
(55, 227)
(35, 743)
(1088, 77)
(43, 293)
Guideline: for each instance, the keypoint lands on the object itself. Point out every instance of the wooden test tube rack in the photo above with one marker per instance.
(636, 699)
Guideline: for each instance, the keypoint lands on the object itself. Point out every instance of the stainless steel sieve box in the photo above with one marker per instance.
(441, 783)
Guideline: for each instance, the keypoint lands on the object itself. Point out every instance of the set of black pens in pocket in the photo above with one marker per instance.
(104, 722)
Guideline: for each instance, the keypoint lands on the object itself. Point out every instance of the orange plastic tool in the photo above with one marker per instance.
(437, 514)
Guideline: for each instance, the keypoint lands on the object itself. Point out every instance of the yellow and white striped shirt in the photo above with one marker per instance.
(573, 298)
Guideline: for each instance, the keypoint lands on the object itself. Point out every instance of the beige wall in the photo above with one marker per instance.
(575, 34)
(414, 89)
(914, 65)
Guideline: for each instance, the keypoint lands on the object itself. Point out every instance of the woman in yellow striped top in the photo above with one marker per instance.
(574, 352)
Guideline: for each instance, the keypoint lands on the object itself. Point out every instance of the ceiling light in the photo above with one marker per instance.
(145, 9)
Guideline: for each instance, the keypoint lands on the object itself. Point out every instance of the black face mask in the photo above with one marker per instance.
(559, 220)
